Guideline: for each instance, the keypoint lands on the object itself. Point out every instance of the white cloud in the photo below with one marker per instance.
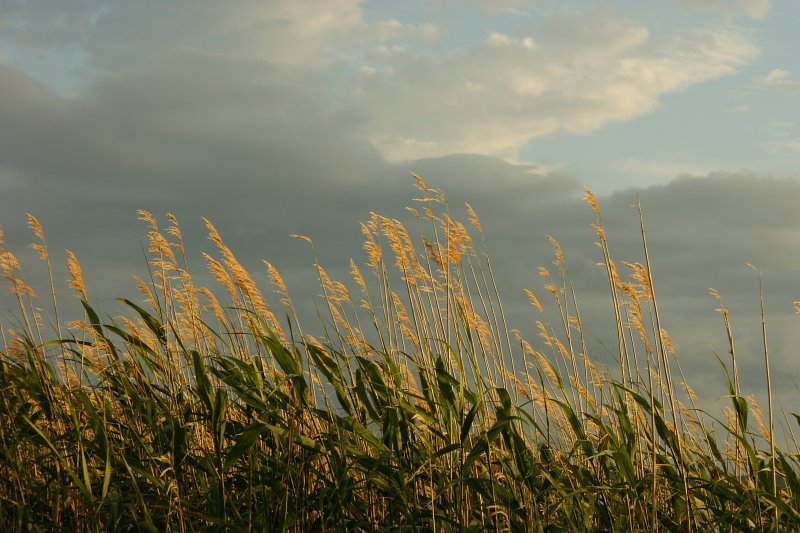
(756, 9)
(576, 72)
(514, 6)
(791, 145)
(579, 72)
(119, 35)
(778, 79)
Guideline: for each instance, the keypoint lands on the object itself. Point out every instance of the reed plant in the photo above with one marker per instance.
(410, 406)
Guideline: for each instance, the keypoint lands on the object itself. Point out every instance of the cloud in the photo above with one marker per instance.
(515, 6)
(648, 169)
(755, 9)
(49, 23)
(575, 74)
(778, 80)
(122, 35)
(792, 145)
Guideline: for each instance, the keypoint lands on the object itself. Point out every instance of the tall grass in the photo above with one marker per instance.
(417, 408)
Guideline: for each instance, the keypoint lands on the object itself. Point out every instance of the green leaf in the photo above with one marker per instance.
(465, 427)
(152, 322)
(244, 442)
(202, 381)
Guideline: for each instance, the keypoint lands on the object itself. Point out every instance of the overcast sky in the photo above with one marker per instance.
(302, 116)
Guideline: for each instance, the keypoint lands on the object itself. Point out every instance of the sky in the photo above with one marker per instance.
(302, 116)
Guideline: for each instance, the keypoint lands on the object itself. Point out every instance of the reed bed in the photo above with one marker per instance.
(415, 408)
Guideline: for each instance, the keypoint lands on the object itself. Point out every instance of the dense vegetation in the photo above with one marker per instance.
(417, 409)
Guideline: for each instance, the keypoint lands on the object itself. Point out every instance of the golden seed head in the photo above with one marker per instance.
(371, 247)
(8, 263)
(34, 224)
(174, 229)
(219, 273)
(40, 250)
(759, 416)
(146, 216)
(213, 234)
(601, 233)
(76, 273)
(473, 218)
(667, 341)
(161, 247)
(356, 273)
(420, 182)
(518, 385)
(435, 256)
(690, 392)
(552, 290)
(560, 259)
(275, 276)
(534, 300)
(302, 238)
(314, 342)
(590, 199)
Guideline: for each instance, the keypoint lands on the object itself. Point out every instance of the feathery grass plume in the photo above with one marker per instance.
(392, 230)
(132, 329)
(635, 319)
(758, 416)
(534, 301)
(75, 272)
(163, 256)
(11, 272)
(221, 275)
(188, 314)
(357, 277)
(420, 183)
(473, 218)
(174, 229)
(590, 199)
(371, 247)
(14, 282)
(277, 280)
(560, 258)
(219, 313)
(148, 218)
(234, 272)
(41, 247)
(435, 255)
(146, 291)
(403, 320)
(330, 288)
(728, 331)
